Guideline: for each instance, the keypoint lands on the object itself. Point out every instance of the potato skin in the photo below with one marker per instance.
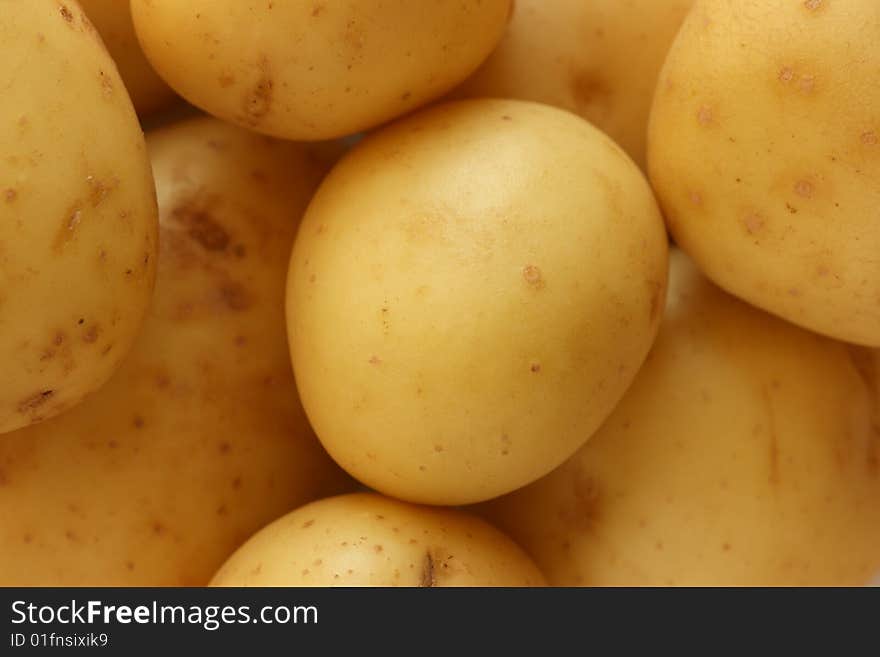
(365, 539)
(316, 70)
(77, 213)
(471, 291)
(764, 150)
(599, 59)
(199, 440)
(112, 19)
(744, 454)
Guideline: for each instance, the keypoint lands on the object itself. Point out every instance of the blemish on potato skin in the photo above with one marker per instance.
(10, 195)
(870, 139)
(587, 88)
(375, 360)
(814, 5)
(804, 189)
(535, 368)
(258, 102)
(106, 83)
(235, 296)
(532, 275)
(705, 116)
(505, 445)
(226, 80)
(804, 82)
(34, 402)
(69, 225)
(429, 575)
(66, 14)
(753, 223)
(91, 334)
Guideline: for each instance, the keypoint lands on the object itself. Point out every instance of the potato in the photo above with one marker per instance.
(77, 213)
(365, 539)
(471, 291)
(316, 70)
(199, 440)
(112, 18)
(599, 59)
(764, 150)
(743, 454)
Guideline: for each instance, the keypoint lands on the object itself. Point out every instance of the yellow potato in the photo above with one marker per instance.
(764, 150)
(77, 213)
(599, 59)
(471, 291)
(199, 440)
(743, 454)
(316, 70)
(365, 539)
(112, 18)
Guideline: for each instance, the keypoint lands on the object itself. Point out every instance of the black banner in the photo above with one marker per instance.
(133, 621)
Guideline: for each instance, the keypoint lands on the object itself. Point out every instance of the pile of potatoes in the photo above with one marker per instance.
(472, 293)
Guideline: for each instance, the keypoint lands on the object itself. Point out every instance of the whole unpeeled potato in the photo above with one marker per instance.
(599, 59)
(112, 18)
(77, 213)
(472, 290)
(316, 70)
(764, 150)
(199, 439)
(368, 540)
(747, 452)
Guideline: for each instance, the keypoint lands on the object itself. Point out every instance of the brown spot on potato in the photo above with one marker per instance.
(429, 575)
(34, 402)
(106, 83)
(224, 447)
(99, 190)
(868, 139)
(705, 115)
(813, 5)
(10, 195)
(535, 367)
(803, 82)
(317, 10)
(138, 422)
(226, 80)
(307, 524)
(235, 296)
(804, 188)
(505, 444)
(66, 14)
(201, 225)
(533, 276)
(67, 231)
(588, 87)
(753, 223)
(257, 103)
(91, 334)
(375, 360)
(696, 198)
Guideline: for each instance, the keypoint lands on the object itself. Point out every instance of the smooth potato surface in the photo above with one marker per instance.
(764, 150)
(316, 70)
(112, 18)
(77, 213)
(368, 540)
(199, 440)
(471, 291)
(746, 452)
(599, 59)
